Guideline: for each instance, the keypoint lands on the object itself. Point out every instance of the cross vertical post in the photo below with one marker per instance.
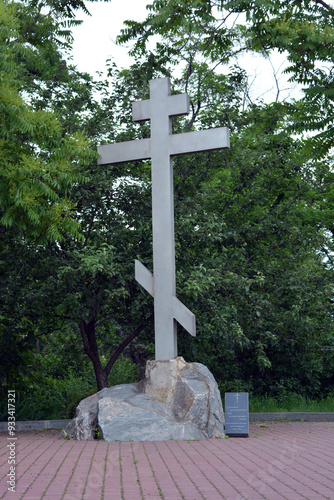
(162, 145)
(160, 112)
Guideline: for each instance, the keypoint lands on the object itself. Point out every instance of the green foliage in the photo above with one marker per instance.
(44, 155)
(254, 231)
(50, 398)
(303, 30)
(55, 392)
(39, 161)
(124, 372)
(261, 293)
(186, 28)
(86, 290)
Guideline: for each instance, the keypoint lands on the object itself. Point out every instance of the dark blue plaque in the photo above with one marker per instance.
(236, 414)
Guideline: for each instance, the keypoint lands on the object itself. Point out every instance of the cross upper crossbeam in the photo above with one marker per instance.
(161, 147)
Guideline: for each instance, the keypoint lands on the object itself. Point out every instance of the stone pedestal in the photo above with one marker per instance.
(176, 400)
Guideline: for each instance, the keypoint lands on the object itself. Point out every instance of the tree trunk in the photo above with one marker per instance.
(101, 376)
(90, 348)
(125, 343)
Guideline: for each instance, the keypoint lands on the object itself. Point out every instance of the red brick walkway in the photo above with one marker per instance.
(285, 460)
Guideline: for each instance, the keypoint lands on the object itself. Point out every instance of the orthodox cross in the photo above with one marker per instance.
(160, 147)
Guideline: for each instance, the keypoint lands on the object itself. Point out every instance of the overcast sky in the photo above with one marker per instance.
(94, 40)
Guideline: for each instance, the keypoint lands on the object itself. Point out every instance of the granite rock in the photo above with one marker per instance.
(176, 400)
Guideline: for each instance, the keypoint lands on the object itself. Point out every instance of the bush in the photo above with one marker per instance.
(124, 371)
(53, 398)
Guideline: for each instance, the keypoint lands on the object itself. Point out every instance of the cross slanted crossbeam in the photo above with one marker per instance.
(161, 147)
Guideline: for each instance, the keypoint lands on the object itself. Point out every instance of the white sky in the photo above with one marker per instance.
(94, 42)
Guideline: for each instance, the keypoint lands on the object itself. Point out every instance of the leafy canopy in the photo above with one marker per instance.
(39, 161)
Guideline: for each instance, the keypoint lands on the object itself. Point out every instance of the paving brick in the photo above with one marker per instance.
(281, 460)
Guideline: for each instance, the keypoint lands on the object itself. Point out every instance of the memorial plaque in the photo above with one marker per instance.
(236, 414)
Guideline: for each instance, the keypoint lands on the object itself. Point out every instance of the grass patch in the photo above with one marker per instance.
(290, 402)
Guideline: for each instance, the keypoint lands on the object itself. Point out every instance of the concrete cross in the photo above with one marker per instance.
(161, 146)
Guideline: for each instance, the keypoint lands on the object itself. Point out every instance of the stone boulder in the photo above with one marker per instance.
(176, 400)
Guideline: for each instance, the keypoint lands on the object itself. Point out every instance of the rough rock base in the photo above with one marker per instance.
(176, 400)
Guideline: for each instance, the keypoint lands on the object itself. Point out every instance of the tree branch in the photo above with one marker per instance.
(87, 348)
(35, 21)
(194, 114)
(90, 227)
(125, 343)
(324, 4)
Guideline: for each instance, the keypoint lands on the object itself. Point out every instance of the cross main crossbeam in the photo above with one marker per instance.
(161, 147)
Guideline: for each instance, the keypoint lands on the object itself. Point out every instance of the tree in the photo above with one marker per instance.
(252, 234)
(85, 286)
(39, 160)
(301, 29)
(253, 266)
(304, 31)
(264, 325)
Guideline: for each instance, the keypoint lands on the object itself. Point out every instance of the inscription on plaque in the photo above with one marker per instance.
(236, 414)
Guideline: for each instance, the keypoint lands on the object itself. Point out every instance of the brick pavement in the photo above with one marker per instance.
(280, 460)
